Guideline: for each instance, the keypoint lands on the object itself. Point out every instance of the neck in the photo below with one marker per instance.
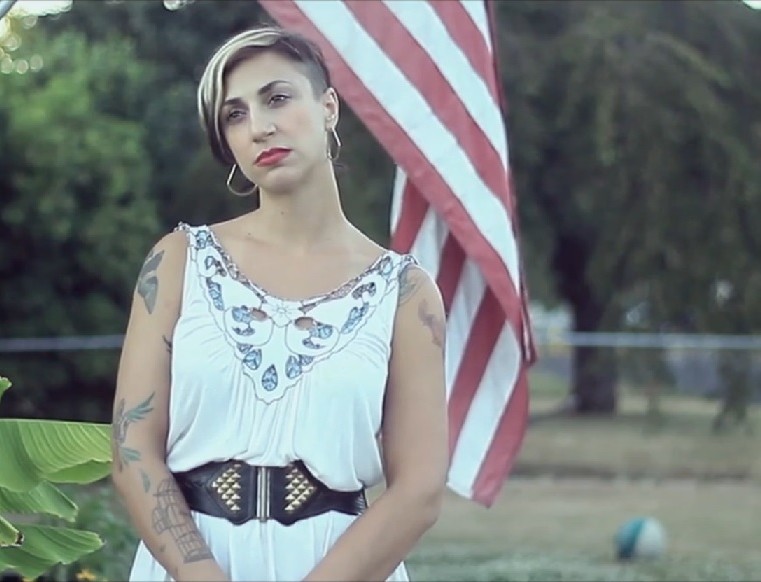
(302, 217)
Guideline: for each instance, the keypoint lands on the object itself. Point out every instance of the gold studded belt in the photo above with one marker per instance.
(240, 492)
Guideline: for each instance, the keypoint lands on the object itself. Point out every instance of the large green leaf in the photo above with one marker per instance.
(4, 385)
(45, 547)
(86, 472)
(45, 498)
(18, 473)
(56, 446)
(36, 450)
(9, 535)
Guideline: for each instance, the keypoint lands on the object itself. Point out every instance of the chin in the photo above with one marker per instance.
(282, 185)
(285, 180)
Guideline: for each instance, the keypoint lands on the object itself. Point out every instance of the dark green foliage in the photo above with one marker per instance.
(635, 139)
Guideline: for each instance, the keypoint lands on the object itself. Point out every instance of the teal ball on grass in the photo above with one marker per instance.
(640, 537)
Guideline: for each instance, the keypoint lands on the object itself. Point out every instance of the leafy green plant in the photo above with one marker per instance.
(101, 512)
(36, 455)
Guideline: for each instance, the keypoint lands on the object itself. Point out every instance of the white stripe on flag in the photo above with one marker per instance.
(434, 232)
(400, 181)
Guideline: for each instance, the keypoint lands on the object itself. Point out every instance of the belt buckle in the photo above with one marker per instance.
(263, 494)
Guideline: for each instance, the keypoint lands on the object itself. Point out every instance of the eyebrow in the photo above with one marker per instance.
(261, 91)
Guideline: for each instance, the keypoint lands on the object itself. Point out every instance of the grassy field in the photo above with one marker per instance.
(549, 529)
(681, 444)
(578, 479)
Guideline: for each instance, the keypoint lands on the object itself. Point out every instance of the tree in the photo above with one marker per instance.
(188, 182)
(624, 120)
(78, 214)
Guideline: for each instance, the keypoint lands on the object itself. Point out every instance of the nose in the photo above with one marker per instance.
(261, 127)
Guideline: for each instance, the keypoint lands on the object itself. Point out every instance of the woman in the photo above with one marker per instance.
(267, 357)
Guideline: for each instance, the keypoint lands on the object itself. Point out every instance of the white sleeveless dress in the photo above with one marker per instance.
(266, 391)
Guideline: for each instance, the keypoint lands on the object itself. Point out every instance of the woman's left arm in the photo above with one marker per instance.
(415, 443)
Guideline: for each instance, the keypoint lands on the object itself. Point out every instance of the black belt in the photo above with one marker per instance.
(240, 492)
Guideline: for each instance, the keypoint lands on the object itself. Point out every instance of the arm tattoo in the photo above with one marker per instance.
(124, 455)
(436, 325)
(148, 280)
(168, 344)
(172, 514)
(146, 481)
(409, 282)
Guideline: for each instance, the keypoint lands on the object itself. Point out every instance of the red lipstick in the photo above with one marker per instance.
(271, 156)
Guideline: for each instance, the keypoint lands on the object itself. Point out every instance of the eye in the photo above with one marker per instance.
(278, 98)
(233, 115)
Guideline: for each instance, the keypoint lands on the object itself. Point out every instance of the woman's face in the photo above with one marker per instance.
(274, 125)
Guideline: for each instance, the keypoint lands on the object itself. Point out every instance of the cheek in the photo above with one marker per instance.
(236, 137)
(298, 115)
(303, 122)
(233, 140)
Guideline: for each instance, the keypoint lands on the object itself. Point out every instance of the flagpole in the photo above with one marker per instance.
(5, 6)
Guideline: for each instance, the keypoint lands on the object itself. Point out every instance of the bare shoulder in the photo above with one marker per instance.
(173, 244)
(162, 271)
(415, 283)
(420, 303)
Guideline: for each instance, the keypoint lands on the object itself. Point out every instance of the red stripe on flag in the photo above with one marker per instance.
(411, 216)
(468, 37)
(484, 333)
(420, 170)
(505, 444)
(450, 271)
(416, 64)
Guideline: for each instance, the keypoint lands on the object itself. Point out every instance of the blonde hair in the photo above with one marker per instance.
(211, 88)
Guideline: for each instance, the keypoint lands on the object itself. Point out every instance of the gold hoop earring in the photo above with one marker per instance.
(239, 192)
(334, 156)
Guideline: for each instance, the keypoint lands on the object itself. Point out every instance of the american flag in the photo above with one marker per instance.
(422, 78)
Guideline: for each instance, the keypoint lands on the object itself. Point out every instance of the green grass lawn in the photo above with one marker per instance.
(578, 479)
(459, 563)
(680, 445)
(563, 529)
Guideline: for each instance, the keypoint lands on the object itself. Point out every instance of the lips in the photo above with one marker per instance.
(271, 156)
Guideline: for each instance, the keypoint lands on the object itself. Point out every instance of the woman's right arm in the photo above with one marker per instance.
(141, 415)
